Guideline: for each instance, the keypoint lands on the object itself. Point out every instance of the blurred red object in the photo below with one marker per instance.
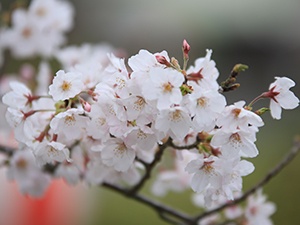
(61, 205)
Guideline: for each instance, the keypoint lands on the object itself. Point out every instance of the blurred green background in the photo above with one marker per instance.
(265, 35)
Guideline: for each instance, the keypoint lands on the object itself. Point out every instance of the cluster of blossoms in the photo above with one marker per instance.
(38, 30)
(100, 120)
(103, 125)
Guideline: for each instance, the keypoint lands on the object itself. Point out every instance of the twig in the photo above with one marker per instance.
(194, 145)
(284, 162)
(7, 150)
(166, 218)
(160, 208)
(150, 167)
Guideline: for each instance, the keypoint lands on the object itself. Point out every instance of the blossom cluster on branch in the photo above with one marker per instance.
(105, 122)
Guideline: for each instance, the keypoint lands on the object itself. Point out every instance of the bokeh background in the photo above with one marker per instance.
(265, 35)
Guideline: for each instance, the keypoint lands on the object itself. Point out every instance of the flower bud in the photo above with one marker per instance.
(185, 48)
(86, 106)
(262, 111)
(162, 60)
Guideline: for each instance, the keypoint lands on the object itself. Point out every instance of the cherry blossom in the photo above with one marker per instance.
(65, 85)
(164, 87)
(19, 98)
(52, 14)
(43, 22)
(174, 121)
(235, 116)
(218, 177)
(51, 152)
(70, 124)
(258, 211)
(117, 154)
(281, 96)
(204, 72)
(27, 174)
(205, 106)
(238, 142)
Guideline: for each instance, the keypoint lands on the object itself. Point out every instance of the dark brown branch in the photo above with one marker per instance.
(191, 146)
(160, 208)
(279, 167)
(150, 167)
(194, 145)
(7, 150)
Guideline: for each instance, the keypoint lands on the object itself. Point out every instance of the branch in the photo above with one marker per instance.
(230, 83)
(279, 167)
(191, 146)
(194, 145)
(7, 150)
(161, 209)
(150, 167)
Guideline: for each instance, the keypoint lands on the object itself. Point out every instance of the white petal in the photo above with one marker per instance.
(275, 110)
(245, 168)
(288, 100)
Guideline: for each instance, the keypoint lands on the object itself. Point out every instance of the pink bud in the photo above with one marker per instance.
(162, 60)
(186, 48)
(87, 106)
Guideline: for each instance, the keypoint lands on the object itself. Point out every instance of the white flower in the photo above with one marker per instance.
(91, 73)
(117, 154)
(143, 61)
(233, 212)
(97, 126)
(175, 179)
(38, 30)
(70, 123)
(130, 176)
(85, 54)
(55, 15)
(115, 117)
(51, 152)
(281, 96)
(137, 108)
(174, 121)
(19, 97)
(23, 37)
(26, 39)
(27, 174)
(204, 72)
(164, 86)
(238, 142)
(235, 116)
(69, 172)
(96, 171)
(65, 85)
(258, 211)
(168, 180)
(205, 106)
(23, 127)
(144, 141)
(116, 76)
(218, 177)
(203, 172)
